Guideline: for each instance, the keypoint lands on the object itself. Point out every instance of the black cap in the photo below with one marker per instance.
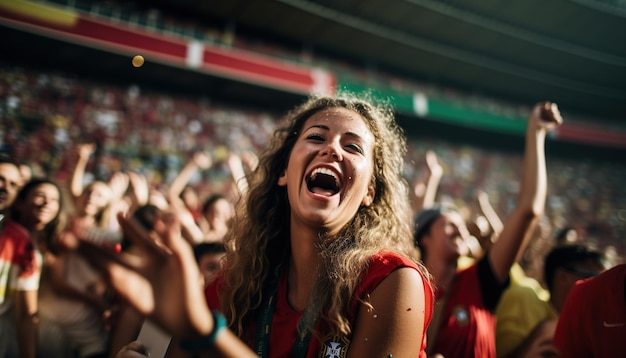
(425, 218)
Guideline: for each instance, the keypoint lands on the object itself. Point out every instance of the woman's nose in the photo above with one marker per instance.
(332, 150)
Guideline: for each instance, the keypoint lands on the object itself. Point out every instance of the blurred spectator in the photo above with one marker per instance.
(210, 257)
(19, 281)
(526, 323)
(593, 319)
(464, 319)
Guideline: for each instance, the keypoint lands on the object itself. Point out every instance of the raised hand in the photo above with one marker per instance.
(84, 150)
(546, 115)
(202, 160)
(162, 281)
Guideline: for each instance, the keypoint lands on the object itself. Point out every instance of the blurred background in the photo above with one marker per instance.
(461, 75)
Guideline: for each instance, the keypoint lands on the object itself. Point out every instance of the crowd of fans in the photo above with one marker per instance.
(155, 133)
(87, 149)
(50, 204)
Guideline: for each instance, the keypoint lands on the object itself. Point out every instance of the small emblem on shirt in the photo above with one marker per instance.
(461, 315)
(334, 347)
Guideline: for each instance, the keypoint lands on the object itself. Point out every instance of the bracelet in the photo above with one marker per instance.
(219, 324)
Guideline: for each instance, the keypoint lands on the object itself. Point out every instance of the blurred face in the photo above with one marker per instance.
(210, 265)
(10, 181)
(329, 173)
(445, 239)
(190, 198)
(41, 206)
(566, 277)
(96, 197)
(220, 213)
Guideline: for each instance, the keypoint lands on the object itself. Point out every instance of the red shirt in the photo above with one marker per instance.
(593, 319)
(467, 326)
(18, 264)
(285, 319)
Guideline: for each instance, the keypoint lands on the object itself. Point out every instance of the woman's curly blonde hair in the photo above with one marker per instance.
(259, 241)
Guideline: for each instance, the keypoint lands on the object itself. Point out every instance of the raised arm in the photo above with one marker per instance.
(489, 212)
(191, 231)
(239, 165)
(518, 227)
(164, 285)
(426, 191)
(200, 161)
(139, 191)
(83, 152)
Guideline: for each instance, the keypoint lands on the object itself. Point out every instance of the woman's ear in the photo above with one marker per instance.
(282, 179)
(368, 199)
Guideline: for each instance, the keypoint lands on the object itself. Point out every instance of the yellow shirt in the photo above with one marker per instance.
(519, 278)
(520, 309)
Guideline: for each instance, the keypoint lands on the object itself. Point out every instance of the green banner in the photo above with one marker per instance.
(420, 105)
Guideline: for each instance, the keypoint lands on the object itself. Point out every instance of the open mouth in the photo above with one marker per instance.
(323, 181)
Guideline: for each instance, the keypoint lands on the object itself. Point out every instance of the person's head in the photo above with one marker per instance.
(209, 256)
(96, 200)
(146, 216)
(10, 182)
(566, 235)
(218, 211)
(440, 233)
(336, 165)
(566, 264)
(39, 207)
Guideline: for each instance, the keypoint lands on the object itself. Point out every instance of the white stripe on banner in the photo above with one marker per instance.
(195, 50)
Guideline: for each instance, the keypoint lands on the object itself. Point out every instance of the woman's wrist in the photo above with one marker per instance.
(205, 342)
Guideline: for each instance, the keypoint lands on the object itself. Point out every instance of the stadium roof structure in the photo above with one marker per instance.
(273, 52)
(570, 51)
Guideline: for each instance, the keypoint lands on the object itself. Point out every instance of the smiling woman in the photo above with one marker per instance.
(319, 258)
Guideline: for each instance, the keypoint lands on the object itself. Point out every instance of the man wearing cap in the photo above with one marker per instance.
(464, 321)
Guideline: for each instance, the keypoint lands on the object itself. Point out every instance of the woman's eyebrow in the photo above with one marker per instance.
(321, 126)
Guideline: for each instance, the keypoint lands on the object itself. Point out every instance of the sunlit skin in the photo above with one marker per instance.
(219, 214)
(444, 240)
(95, 198)
(10, 180)
(41, 206)
(210, 265)
(190, 198)
(339, 140)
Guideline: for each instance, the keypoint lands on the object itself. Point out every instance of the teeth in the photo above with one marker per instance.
(327, 172)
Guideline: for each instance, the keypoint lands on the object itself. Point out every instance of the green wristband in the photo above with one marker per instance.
(219, 324)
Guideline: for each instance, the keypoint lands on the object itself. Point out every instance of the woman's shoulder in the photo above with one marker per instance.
(382, 265)
(391, 260)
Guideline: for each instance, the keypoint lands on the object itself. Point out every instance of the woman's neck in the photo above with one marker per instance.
(303, 269)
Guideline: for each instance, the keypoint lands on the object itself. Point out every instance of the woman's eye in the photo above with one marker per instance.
(355, 148)
(316, 137)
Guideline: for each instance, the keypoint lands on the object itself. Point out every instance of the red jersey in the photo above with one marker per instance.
(285, 319)
(468, 323)
(593, 319)
(18, 265)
